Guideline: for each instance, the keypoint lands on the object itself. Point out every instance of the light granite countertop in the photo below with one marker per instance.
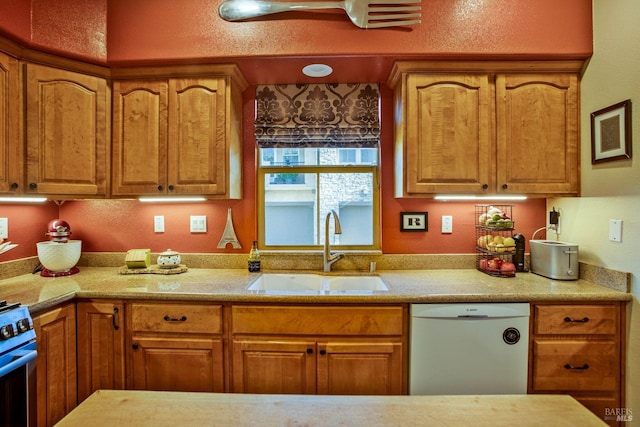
(229, 285)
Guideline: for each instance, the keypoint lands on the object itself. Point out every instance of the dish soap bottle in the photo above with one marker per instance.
(254, 258)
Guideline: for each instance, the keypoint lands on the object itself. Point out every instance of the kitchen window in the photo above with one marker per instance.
(297, 187)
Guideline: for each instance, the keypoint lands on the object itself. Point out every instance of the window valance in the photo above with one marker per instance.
(312, 115)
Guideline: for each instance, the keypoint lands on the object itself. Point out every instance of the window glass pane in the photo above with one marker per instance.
(314, 156)
(351, 196)
(290, 210)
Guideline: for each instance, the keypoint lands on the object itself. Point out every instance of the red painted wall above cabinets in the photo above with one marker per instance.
(119, 32)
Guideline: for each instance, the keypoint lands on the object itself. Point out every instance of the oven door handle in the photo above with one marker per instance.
(21, 357)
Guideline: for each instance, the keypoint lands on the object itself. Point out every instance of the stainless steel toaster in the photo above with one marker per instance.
(555, 260)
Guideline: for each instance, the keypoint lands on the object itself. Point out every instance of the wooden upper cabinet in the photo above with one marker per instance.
(68, 148)
(139, 137)
(197, 134)
(537, 134)
(486, 128)
(178, 135)
(448, 133)
(11, 142)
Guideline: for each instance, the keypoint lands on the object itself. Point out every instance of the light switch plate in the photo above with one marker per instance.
(4, 228)
(615, 230)
(158, 224)
(447, 224)
(198, 224)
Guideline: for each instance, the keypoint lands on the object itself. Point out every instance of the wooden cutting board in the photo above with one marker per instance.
(154, 269)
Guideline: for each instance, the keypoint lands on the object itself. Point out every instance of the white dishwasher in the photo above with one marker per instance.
(469, 348)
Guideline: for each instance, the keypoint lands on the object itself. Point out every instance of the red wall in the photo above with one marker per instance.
(148, 31)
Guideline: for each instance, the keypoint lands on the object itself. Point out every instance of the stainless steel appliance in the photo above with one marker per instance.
(17, 366)
(555, 260)
(469, 348)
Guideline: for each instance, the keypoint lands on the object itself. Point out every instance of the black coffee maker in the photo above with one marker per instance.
(518, 256)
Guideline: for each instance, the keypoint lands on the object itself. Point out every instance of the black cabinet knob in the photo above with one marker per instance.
(485, 186)
(33, 185)
(160, 187)
(134, 346)
(171, 187)
(14, 185)
(323, 352)
(309, 351)
(505, 186)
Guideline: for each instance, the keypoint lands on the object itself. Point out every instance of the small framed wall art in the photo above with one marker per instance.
(611, 133)
(413, 221)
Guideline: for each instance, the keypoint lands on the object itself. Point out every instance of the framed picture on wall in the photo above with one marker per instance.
(611, 133)
(413, 221)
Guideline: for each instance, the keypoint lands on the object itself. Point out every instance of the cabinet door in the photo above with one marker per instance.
(360, 368)
(100, 347)
(139, 138)
(56, 363)
(67, 133)
(537, 134)
(448, 133)
(11, 141)
(177, 364)
(197, 136)
(274, 366)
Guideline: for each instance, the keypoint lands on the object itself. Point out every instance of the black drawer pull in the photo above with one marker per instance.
(173, 319)
(113, 318)
(571, 320)
(576, 368)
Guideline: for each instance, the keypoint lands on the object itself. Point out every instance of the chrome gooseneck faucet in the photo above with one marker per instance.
(329, 258)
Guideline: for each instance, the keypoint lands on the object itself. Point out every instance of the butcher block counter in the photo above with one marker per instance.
(229, 285)
(157, 409)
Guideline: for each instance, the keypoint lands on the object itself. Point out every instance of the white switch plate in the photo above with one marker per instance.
(158, 224)
(198, 224)
(447, 224)
(615, 230)
(4, 228)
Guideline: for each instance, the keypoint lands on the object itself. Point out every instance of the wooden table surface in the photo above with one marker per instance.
(157, 409)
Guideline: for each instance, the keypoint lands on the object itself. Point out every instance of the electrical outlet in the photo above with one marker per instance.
(198, 223)
(4, 228)
(158, 224)
(447, 224)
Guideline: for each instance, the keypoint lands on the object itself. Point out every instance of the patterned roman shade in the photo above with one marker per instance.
(313, 115)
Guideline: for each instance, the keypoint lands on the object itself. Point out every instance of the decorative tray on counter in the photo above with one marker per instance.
(154, 269)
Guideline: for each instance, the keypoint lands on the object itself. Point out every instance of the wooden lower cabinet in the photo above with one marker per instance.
(175, 347)
(101, 332)
(577, 349)
(319, 350)
(56, 363)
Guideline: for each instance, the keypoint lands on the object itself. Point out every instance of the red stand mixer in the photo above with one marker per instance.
(59, 255)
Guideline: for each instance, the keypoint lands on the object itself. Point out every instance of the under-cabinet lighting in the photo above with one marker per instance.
(171, 199)
(22, 199)
(454, 197)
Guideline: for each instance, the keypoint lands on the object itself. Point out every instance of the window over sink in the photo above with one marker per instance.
(298, 187)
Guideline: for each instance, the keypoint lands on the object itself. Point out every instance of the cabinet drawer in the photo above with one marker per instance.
(575, 365)
(182, 318)
(576, 319)
(258, 319)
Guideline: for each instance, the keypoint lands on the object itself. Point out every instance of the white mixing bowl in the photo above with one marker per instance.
(59, 257)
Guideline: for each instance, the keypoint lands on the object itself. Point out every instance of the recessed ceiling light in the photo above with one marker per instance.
(317, 70)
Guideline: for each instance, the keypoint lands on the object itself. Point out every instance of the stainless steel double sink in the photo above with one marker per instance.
(316, 284)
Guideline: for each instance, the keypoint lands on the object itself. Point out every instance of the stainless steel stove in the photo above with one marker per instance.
(17, 366)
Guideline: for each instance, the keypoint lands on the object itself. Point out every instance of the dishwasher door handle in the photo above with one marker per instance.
(472, 316)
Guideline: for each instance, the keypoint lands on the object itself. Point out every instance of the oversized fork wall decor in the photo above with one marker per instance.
(363, 13)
